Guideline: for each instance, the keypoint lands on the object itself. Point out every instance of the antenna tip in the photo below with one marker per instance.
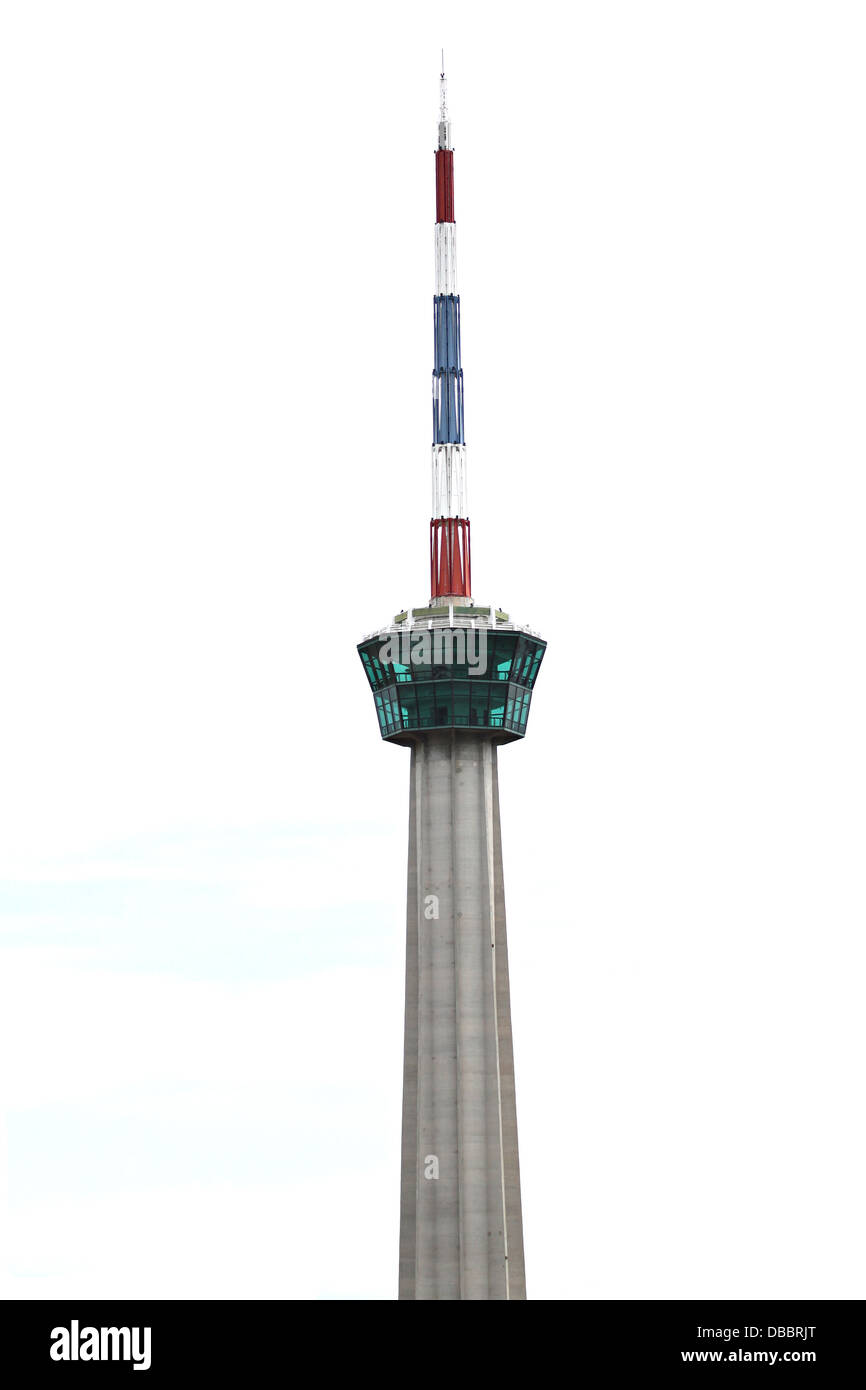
(444, 123)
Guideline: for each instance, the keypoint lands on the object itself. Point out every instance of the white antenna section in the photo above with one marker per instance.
(445, 258)
(449, 480)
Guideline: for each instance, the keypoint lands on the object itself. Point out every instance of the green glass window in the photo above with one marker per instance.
(409, 707)
(426, 696)
(462, 690)
(442, 717)
(377, 674)
(388, 712)
(422, 672)
(480, 704)
(521, 663)
(499, 650)
(396, 712)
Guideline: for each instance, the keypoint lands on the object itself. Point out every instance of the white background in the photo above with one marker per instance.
(216, 261)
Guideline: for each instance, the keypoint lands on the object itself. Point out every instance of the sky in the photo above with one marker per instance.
(216, 274)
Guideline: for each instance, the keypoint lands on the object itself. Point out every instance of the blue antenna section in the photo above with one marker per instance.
(447, 372)
(446, 332)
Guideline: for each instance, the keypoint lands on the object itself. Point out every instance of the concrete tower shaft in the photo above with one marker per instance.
(461, 1233)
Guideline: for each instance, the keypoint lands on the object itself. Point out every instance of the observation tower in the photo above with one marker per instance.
(452, 680)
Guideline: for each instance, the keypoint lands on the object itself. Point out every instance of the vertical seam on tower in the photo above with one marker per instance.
(491, 876)
(420, 801)
(461, 1243)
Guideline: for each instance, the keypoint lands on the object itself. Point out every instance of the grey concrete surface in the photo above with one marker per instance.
(461, 1230)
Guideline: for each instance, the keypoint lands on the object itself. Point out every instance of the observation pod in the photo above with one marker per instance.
(439, 669)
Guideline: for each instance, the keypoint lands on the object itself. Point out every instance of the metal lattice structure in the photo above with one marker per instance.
(450, 561)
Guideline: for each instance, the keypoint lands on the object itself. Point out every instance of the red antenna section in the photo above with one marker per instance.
(444, 185)
(450, 567)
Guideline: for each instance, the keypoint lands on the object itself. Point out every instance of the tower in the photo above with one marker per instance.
(452, 680)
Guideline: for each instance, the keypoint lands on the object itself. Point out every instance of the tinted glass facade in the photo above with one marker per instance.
(486, 684)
